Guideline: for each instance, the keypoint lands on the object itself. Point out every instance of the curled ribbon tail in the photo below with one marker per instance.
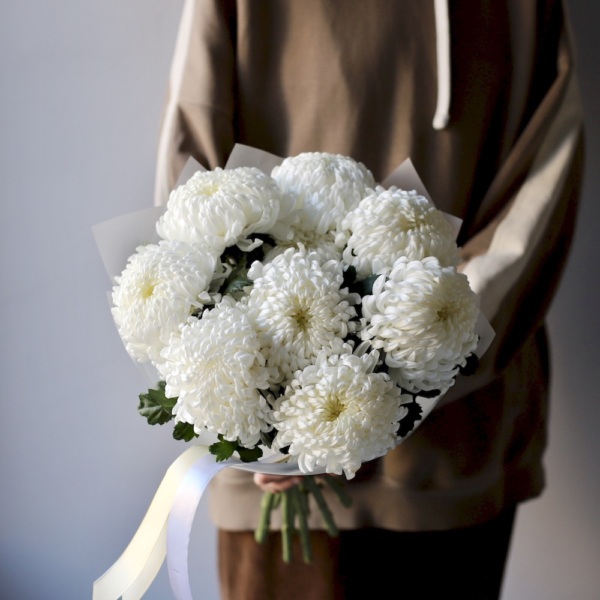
(135, 570)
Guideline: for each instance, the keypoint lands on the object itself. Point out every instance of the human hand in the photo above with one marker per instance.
(275, 484)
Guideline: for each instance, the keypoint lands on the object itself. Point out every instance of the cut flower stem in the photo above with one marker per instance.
(294, 504)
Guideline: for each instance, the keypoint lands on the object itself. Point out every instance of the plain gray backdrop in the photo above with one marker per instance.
(82, 85)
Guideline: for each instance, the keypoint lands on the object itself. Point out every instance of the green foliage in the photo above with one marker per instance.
(471, 365)
(249, 454)
(236, 285)
(240, 262)
(428, 393)
(155, 407)
(408, 423)
(224, 449)
(184, 431)
(364, 287)
(349, 276)
(267, 437)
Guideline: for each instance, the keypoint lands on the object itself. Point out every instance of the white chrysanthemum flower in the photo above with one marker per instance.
(327, 187)
(423, 316)
(159, 288)
(392, 223)
(338, 414)
(323, 245)
(222, 208)
(215, 369)
(299, 308)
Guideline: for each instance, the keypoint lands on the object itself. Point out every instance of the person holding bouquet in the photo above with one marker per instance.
(482, 97)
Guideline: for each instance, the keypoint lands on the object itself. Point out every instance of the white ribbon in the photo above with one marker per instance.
(168, 522)
(166, 528)
(180, 521)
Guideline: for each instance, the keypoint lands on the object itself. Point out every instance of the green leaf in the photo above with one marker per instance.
(237, 285)
(232, 255)
(429, 393)
(470, 366)
(155, 406)
(184, 431)
(267, 437)
(407, 424)
(249, 454)
(223, 449)
(259, 252)
(364, 287)
(349, 276)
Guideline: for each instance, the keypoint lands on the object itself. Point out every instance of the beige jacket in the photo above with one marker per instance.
(481, 96)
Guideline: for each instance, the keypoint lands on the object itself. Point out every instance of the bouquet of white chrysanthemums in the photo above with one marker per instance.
(307, 313)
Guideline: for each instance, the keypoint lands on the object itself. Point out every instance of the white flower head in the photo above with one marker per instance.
(323, 245)
(298, 305)
(423, 316)
(327, 186)
(338, 414)
(159, 288)
(390, 223)
(216, 370)
(222, 208)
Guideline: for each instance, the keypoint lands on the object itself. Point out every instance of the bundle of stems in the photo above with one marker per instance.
(294, 504)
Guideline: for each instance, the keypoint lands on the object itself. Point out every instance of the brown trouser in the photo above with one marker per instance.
(467, 563)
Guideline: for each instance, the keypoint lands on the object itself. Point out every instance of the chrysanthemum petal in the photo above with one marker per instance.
(217, 372)
(160, 287)
(338, 413)
(423, 316)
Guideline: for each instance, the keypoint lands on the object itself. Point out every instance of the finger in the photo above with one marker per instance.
(275, 483)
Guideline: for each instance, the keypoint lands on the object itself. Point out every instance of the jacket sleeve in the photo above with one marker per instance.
(514, 262)
(198, 116)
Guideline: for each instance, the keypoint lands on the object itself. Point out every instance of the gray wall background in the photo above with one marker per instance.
(81, 90)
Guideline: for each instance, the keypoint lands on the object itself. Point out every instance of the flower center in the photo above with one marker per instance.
(209, 189)
(147, 289)
(334, 407)
(301, 316)
(444, 313)
(410, 222)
